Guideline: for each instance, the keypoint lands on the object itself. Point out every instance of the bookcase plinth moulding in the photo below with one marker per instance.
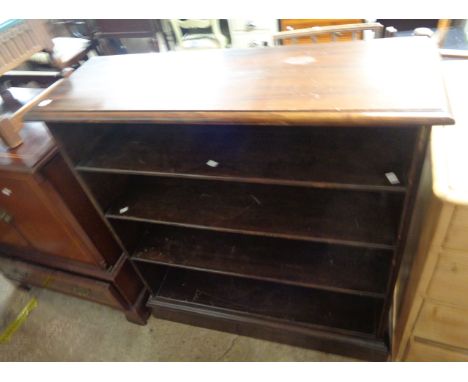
(266, 192)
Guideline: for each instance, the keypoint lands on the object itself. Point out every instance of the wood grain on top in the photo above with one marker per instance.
(37, 147)
(380, 81)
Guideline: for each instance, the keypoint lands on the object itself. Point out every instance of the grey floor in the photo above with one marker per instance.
(64, 328)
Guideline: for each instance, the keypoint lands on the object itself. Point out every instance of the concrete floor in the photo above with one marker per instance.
(63, 328)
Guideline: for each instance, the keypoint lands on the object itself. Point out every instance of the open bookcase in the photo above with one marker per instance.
(284, 231)
(265, 198)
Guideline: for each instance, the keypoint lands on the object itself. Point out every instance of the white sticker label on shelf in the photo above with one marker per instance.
(123, 210)
(6, 191)
(212, 163)
(392, 178)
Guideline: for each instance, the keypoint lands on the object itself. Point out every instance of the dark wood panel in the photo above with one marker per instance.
(128, 283)
(419, 153)
(152, 274)
(340, 268)
(78, 286)
(295, 305)
(397, 80)
(320, 157)
(60, 176)
(43, 219)
(368, 349)
(357, 218)
(139, 313)
(105, 187)
(10, 235)
(76, 141)
(32, 255)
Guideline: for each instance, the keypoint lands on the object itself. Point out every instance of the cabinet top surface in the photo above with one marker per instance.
(37, 147)
(395, 80)
(37, 142)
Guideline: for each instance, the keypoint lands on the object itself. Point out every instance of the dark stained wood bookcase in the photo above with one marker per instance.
(249, 186)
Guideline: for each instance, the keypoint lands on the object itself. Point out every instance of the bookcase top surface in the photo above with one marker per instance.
(382, 81)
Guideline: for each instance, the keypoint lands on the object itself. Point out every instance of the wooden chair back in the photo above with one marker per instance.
(334, 31)
(178, 25)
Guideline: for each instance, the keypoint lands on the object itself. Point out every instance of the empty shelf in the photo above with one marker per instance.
(336, 216)
(293, 305)
(331, 267)
(355, 158)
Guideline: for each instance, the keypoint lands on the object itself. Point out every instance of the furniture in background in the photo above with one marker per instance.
(50, 233)
(21, 40)
(248, 202)
(450, 35)
(16, 101)
(292, 24)
(67, 52)
(333, 32)
(113, 30)
(411, 27)
(252, 33)
(432, 319)
(189, 34)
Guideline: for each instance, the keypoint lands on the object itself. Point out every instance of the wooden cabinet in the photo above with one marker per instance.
(271, 201)
(432, 322)
(50, 233)
(41, 219)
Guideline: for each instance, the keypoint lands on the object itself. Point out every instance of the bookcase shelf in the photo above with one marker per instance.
(330, 267)
(293, 305)
(366, 219)
(281, 155)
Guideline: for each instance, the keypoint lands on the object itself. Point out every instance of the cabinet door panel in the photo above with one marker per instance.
(43, 220)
